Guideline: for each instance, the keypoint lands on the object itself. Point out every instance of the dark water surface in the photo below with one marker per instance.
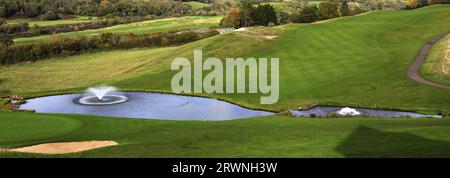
(323, 111)
(147, 105)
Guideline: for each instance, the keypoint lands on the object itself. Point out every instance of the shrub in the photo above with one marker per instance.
(444, 113)
(306, 15)
(263, 15)
(333, 115)
(50, 15)
(5, 40)
(438, 2)
(345, 9)
(328, 9)
(283, 17)
(232, 18)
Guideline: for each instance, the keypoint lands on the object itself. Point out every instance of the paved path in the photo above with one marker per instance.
(414, 69)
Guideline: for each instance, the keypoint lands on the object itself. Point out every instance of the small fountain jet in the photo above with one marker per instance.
(102, 95)
(101, 91)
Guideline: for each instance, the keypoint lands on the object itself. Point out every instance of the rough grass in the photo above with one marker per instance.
(149, 26)
(274, 136)
(436, 66)
(32, 22)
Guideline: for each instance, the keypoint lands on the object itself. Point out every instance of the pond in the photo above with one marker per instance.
(324, 111)
(147, 106)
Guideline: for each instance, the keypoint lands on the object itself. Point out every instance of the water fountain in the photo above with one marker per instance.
(348, 112)
(102, 95)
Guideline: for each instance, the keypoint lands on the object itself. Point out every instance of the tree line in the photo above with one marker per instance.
(49, 9)
(71, 46)
(24, 30)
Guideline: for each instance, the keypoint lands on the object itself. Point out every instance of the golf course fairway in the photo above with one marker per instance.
(357, 61)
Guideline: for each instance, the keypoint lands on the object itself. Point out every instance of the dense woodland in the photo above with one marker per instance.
(48, 8)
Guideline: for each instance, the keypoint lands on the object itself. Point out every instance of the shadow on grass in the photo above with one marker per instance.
(369, 142)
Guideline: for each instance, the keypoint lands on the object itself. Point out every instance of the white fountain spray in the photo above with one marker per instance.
(102, 95)
(348, 112)
(101, 91)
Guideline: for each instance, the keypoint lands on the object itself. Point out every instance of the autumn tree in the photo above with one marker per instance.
(232, 18)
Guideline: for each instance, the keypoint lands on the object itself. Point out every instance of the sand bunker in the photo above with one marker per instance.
(270, 37)
(64, 147)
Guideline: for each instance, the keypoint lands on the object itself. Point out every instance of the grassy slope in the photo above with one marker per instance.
(31, 23)
(433, 66)
(150, 26)
(258, 137)
(360, 61)
(357, 61)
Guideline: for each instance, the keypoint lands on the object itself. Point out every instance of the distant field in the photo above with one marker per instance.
(149, 26)
(33, 22)
(274, 136)
(437, 66)
(285, 6)
(197, 5)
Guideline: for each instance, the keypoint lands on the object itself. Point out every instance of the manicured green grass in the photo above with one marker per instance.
(436, 66)
(149, 26)
(274, 136)
(354, 61)
(197, 5)
(31, 22)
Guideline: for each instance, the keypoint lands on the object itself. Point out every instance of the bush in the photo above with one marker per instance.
(444, 114)
(438, 2)
(50, 15)
(232, 18)
(345, 9)
(306, 15)
(264, 14)
(329, 9)
(333, 115)
(283, 17)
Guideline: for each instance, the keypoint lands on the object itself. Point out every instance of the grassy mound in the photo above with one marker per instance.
(437, 64)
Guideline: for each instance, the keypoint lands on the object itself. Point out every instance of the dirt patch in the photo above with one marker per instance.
(64, 147)
(270, 37)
